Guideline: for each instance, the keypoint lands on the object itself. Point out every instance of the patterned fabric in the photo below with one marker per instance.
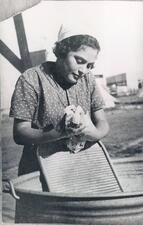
(40, 98)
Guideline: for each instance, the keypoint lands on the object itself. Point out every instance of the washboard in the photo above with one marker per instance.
(87, 171)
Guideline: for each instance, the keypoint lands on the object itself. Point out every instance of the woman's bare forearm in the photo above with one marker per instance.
(24, 134)
(102, 128)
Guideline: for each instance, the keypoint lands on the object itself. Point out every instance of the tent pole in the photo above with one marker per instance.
(22, 41)
(11, 57)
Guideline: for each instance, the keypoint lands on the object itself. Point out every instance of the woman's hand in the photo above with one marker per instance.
(91, 130)
(87, 130)
(73, 124)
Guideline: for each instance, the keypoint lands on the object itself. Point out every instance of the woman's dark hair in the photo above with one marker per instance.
(73, 43)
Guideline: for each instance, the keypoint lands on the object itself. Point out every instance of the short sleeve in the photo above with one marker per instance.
(24, 100)
(97, 101)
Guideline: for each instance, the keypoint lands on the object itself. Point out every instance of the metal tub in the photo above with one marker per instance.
(35, 206)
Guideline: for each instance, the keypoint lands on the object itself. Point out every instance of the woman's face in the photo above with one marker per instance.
(78, 63)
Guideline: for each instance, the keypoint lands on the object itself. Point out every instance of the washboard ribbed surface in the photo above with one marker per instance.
(87, 171)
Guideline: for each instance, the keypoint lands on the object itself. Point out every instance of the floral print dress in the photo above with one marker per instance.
(41, 99)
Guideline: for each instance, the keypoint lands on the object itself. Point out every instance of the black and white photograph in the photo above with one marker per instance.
(71, 112)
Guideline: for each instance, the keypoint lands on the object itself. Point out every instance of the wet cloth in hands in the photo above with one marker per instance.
(73, 119)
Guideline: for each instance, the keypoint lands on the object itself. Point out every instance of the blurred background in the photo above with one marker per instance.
(27, 40)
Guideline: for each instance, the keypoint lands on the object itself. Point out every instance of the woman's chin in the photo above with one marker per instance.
(72, 80)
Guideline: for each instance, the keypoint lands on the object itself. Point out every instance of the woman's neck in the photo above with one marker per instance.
(59, 78)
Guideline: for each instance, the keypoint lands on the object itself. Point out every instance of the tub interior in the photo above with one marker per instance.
(130, 174)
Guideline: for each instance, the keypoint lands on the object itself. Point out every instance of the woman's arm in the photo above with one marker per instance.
(24, 134)
(94, 129)
(90, 130)
(98, 127)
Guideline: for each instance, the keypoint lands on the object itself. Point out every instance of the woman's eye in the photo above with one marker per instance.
(79, 61)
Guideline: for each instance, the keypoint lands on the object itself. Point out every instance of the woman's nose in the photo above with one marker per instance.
(83, 70)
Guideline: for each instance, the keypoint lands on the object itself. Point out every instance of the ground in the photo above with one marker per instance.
(126, 132)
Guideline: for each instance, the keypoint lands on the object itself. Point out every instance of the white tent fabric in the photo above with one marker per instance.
(140, 92)
(108, 99)
(10, 8)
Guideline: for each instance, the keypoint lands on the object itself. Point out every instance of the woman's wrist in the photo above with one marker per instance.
(93, 135)
(52, 135)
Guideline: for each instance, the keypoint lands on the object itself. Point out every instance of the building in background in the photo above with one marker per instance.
(117, 85)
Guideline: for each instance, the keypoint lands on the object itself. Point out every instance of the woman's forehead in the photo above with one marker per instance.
(86, 52)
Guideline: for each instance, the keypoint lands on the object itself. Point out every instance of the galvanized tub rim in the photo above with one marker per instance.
(89, 196)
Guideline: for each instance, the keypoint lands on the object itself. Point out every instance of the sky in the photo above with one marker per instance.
(118, 26)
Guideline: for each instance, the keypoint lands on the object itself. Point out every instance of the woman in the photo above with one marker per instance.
(42, 93)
